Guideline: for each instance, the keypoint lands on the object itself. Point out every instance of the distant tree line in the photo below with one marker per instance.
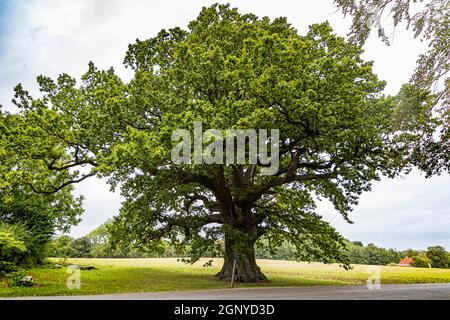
(435, 257)
(357, 252)
(98, 244)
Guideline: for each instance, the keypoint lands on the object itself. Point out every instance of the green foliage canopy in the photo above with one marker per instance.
(438, 257)
(11, 251)
(35, 216)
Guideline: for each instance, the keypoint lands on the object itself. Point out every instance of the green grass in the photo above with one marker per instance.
(147, 275)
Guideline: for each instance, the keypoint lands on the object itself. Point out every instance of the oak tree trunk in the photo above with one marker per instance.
(246, 268)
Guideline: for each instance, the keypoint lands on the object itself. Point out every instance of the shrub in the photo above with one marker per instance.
(392, 264)
(34, 218)
(34, 236)
(7, 267)
(11, 251)
(420, 262)
(17, 279)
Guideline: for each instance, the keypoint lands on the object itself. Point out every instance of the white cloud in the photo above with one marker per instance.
(52, 36)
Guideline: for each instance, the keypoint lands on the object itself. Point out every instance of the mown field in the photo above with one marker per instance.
(166, 274)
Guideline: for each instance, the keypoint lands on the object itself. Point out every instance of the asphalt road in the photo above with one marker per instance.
(386, 292)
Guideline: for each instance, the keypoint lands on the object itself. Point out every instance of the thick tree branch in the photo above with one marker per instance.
(186, 224)
(287, 178)
(51, 165)
(61, 186)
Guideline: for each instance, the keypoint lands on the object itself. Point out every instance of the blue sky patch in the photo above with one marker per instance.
(5, 20)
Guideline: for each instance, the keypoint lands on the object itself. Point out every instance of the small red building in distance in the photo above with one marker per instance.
(405, 262)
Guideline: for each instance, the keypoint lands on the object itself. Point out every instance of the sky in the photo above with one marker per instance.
(51, 37)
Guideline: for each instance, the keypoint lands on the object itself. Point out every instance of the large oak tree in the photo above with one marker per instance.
(338, 133)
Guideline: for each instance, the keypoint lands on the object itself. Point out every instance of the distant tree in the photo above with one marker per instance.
(421, 262)
(411, 253)
(101, 234)
(358, 243)
(100, 242)
(62, 247)
(82, 247)
(284, 251)
(102, 245)
(372, 254)
(437, 256)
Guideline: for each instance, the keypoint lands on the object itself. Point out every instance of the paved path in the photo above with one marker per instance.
(387, 292)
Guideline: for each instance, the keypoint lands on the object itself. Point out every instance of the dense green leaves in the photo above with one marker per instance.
(438, 257)
(11, 251)
(373, 255)
(34, 217)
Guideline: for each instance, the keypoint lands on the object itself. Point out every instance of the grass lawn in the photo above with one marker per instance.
(167, 274)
